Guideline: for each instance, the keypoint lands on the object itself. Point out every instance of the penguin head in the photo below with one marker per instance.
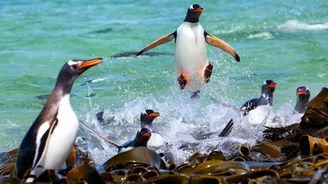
(142, 137)
(147, 118)
(193, 13)
(72, 69)
(303, 93)
(269, 87)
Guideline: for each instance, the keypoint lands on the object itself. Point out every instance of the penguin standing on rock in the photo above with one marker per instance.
(192, 66)
(266, 97)
(50, 139)
(303, 97)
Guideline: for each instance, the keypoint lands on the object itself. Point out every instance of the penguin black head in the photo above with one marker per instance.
(146, 119)
(303, 92)
(72, 69)
(193, 13)
(142, 137)
(303, 97)
(269, 87)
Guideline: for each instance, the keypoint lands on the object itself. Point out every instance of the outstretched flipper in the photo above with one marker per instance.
(157, 42)
(217, 42)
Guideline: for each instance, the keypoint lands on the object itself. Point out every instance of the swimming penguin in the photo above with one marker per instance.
(303, 96)
(146, 120)
(266, 97)
(141, 139)
(192, 66)
(50, 138)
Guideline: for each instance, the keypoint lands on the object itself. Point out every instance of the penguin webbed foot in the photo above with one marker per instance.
(208, 72)
(195, 94)
(182, 80)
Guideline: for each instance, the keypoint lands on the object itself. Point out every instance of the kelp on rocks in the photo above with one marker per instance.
(292, 154)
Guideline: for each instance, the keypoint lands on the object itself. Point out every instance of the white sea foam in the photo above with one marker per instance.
(181, 118)
(294, 25)
(263, 35)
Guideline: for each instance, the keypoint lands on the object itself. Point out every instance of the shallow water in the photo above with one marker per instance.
(281, 40)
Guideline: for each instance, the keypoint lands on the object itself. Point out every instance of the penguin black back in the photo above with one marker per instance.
(267, 90)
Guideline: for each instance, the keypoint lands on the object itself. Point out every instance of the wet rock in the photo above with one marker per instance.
(139, 155)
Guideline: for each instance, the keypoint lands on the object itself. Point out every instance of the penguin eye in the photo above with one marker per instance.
(74, 67)
(191, 7)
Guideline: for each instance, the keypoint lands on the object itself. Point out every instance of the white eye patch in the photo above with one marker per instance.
(71, 62)
(191, 7)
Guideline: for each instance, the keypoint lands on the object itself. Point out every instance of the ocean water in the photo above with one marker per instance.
(281, 40)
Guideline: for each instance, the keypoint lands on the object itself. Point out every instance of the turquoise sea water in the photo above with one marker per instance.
(281, 40)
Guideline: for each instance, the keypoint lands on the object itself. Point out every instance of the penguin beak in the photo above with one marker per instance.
(146, 134)
(301, 92)
(199, 10)
(91, 62)
(272, 85)
(153, 114)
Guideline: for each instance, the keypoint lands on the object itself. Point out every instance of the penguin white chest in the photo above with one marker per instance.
(190, 52)
(63, 136)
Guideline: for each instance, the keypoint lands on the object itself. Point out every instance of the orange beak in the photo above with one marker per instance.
(153, 114)
(146, 134)
(199, 10)
(272, 85)
(91, 62)
(301, 92)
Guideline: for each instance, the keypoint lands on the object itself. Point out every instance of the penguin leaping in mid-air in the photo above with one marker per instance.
(50, 139)
(192, 66)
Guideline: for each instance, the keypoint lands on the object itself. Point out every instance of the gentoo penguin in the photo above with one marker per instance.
(146, 120)
(50, 139)
(303, 96)
(141, 139)
(192, 66)
(266, 97)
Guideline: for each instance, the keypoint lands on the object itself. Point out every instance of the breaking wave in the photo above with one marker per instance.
(294, 25)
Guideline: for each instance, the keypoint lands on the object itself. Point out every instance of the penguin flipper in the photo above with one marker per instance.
(217, 42)
(157, 42)
(42, 142)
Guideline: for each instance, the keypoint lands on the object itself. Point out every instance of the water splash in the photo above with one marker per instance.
(294, 25)
(181, 120)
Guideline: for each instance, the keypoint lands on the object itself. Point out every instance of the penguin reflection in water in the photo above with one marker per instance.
(266, 97)
(50, 139)
(192, 66)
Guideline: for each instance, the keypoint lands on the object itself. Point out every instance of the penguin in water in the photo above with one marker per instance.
(141, 139)
(192, 66)
(266, 97)
(50, 138)
(146, 120)
(303, 97)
